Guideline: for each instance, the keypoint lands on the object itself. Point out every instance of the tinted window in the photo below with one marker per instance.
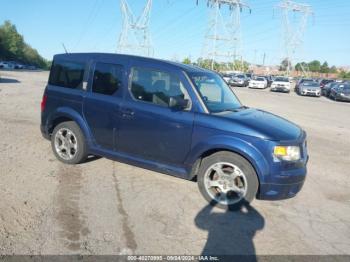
(107, 78)
(67, 74)
(156, 87)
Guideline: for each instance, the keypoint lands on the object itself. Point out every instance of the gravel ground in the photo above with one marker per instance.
(106, 207)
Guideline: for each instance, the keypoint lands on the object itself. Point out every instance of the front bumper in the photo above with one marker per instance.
(256, 86)
(280, 89)
(310, 93)
(238, 84)
(285, 178)
(343, 98)
(279, 191)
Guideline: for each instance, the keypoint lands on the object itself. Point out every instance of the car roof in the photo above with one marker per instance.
(101, 56)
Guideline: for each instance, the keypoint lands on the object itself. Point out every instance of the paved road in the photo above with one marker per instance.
(105, 207)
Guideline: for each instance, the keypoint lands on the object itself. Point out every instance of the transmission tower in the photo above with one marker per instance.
(135, 36)
(222, 41)
(295, 17)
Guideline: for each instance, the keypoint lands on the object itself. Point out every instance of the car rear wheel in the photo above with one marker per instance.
(68, 143)
(227, 180)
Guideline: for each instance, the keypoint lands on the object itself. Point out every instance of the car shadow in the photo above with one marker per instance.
(230, 232)
(91, 158)
(8, 80)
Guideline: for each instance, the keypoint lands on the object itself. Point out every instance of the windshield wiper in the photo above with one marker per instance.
(235, 109)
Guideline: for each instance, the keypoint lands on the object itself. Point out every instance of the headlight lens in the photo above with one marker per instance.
(287, 153)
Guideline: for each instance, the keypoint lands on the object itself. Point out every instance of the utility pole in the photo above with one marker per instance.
(135, 35)
(222, 41)
(293, 32)
(264, 57)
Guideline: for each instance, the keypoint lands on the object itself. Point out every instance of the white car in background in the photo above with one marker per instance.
(281, 84)
(227, 77)
(259, 82)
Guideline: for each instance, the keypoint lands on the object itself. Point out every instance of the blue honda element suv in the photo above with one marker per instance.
(172, 118)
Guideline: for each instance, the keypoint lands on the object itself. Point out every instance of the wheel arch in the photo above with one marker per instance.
(236, 146)
(64, 114)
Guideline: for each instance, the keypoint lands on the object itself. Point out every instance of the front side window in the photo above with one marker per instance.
(67, 74)
(156, 87)
(215, 92)
(107, 78)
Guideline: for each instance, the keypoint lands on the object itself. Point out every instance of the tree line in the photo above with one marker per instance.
(237, 65)
(14, 48)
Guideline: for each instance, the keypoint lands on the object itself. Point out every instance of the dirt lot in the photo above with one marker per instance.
(105, 207)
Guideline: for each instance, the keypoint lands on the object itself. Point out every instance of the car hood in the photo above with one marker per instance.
(260, 124)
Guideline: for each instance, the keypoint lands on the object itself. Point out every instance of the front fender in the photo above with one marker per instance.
(233, 144)
(75, 116)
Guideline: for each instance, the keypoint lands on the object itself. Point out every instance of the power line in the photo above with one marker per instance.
(135, 36)
(223, 31)
(293, 32)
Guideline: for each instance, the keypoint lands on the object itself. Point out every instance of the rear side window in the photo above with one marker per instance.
(156, 87)
(67, 74)
(107, 78)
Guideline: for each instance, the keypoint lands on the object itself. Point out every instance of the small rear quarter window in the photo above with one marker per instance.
(67, 74)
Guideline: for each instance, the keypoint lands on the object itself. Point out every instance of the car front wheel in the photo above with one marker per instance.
(227, 180)
(68, 143)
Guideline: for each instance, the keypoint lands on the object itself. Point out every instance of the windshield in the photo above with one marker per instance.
(281, 79)
(260, 79)
(312, 84)
(215, 93)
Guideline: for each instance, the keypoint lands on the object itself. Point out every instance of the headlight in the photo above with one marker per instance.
(287, 153)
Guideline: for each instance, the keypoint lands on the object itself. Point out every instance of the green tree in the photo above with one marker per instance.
(324, 68)
(301, 67)
(13, 47)
(187, 61)
(315, 66)
(333, 70)
(285, 64)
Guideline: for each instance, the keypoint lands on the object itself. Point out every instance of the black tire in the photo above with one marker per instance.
(81, 152)
(242, 164)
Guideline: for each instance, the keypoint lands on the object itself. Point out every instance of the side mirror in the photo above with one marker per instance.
(178, 103)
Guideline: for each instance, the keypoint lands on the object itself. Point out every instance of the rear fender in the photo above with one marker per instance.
(74, 116)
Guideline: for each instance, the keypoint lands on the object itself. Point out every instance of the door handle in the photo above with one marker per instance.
(128, 113)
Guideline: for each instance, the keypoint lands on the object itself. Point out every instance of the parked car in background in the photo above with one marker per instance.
(258, 82)
(301, 81)
(340, 92)
(126, 107)
(326, 90)
(227, 77)
(239, 80)
(280, 84)
(7, 65)
(308, 88)
(18, 66)
(249, 76)
(269, 80)
(324, 82)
